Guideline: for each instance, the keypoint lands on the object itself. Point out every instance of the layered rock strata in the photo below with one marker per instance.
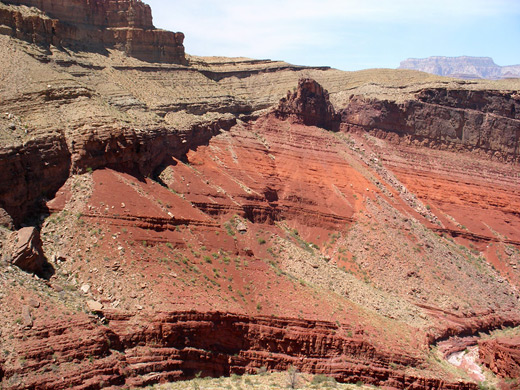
(462, 67)
(309, 104)
(137, 351)
(93, 25)
(502, 356)
(198, 196)
(483, 121)
(46, 164)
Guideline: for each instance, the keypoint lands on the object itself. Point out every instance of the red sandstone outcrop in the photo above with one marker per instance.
(309, 104)
(501, 355)
(138, 351)
(93, 25)
(98, 13)
(386, 285)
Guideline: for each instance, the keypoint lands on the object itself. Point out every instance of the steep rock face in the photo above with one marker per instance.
(98, 13)
(245, 215)
(129, 149)
(33, 170)
(502, 356)
(310, 105)
(484, 121)
(93, 25)
(462, 67)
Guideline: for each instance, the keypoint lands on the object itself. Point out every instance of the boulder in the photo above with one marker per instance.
(28, 253)
(94, 306)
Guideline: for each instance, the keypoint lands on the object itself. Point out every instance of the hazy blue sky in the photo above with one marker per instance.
(345, 34)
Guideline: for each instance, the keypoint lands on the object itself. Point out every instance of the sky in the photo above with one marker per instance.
(345, 34)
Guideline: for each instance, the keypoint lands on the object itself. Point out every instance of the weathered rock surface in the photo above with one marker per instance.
(27, 320)
(28, 253)
(310, 105)
(94, 306)
(93, 25)
(30, 172)
(138, 351)
(502, 356)
(483, 121)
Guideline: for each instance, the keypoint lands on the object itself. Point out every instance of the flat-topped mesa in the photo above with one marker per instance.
(93, 24)
(310, 105)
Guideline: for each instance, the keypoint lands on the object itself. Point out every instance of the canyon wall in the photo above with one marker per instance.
(98, 13)
(34, 171)
(297, 245)
(487, 122)
(93, 25)
(37, 169)
(462, 67)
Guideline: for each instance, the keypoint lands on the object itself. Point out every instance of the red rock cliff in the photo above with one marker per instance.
(91, 24)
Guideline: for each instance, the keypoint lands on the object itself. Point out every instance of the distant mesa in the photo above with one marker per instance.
(463, 67)
(92, 25)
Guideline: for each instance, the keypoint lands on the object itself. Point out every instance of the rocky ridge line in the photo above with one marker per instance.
(486, 122)
(47, 165)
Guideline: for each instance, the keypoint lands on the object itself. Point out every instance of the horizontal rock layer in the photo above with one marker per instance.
(462, 67)
(98, 13)
(502, 356)
(328, 227)
(138, 351)
(94, 25)
(38, 169)
(483, 121)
